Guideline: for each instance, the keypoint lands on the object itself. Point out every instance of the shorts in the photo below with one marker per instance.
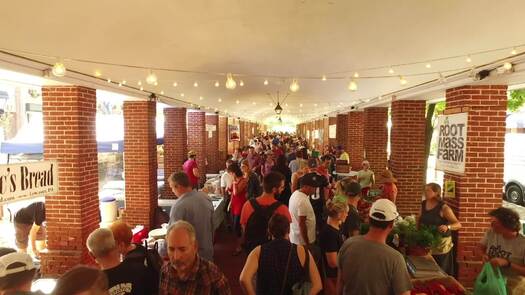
(22, 234)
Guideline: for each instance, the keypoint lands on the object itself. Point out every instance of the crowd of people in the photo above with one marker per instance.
(299, 226)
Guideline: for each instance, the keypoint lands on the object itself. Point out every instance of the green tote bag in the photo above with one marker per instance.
(490, 282)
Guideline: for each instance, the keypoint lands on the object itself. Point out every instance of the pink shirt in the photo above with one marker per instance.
(188, 169)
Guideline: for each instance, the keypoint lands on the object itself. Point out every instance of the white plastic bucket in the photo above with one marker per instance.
(108, 210)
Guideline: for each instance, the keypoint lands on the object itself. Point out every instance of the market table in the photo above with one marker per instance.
(426, 272)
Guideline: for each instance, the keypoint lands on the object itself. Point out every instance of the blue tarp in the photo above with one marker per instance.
(7, 147)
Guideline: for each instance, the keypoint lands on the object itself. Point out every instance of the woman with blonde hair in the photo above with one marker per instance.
(434, 212)
(331, 241)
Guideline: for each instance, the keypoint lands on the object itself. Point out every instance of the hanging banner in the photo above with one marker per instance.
(452, 143)
(26, 180)
(332, 131)
(233, 131)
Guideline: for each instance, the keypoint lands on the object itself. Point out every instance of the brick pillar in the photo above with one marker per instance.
(242, 133)
(376, 137)
(326, 129)
(140, 161)
(197, 139)
(478, 190)
(342, 123)
(355, 138)
(69, 116)
(175, 144)
(212, 143)
(222, 133)
(407, 158)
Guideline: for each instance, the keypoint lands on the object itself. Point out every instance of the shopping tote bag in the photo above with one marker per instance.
(490, 282)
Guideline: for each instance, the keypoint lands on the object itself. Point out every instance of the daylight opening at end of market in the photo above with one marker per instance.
(262, 147)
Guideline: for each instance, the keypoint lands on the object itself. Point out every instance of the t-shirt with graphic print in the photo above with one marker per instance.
(498, 246)
(126, 279)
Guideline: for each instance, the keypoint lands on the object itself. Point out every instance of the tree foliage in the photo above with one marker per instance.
(516, 100)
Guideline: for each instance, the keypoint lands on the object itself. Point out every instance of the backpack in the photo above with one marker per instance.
(151, 259)
(257, 225)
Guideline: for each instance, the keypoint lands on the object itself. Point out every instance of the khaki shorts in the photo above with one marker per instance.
(22, 234)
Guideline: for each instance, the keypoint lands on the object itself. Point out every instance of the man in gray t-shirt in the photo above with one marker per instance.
(195, 208)
(367, 266)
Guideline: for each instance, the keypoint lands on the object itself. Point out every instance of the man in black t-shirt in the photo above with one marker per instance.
(27, 222)
(352, 190)
(124, 278)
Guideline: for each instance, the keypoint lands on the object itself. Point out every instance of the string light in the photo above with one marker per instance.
(468, 59)
(201, 98)
(265, 82)
(109, 80)
(237, 101)
(507, 66)
(59, 69)
(141, 88)
(315, 105)
(402, 80)
(300, 105)
(182, 95)
(175, 84)
(98, 73)
(119, 84)
(352, 86)
(254, 103)
(162, 92)
(241, 83)
(230, 82)
(139, 83)
(294, 87)
(151, 79)
(217, 84)
(323, 78)
(514, 52)
(124, 82)
(428, 66)
(219, 100)
(391, 71)
(356, 75)
(195, 84)
(156, 83)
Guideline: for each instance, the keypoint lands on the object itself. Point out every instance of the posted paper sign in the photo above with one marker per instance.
(26, 180)
(332, 131)
(452, 143)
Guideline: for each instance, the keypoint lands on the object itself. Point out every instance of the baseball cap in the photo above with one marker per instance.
(386, 208)
(311, 179)
(312, 163)
(24, 260)
(192, 153)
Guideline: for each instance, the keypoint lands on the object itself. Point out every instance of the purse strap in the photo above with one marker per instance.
(287, 268)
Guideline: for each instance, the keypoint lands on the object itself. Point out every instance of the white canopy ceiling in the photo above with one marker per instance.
(258, 39)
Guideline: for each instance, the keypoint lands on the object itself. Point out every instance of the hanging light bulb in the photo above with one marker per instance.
(391, 71)
(182, 95)
(124, 82)
(356, 75)
(428, 66)
(468, 59)
(219, 100)
(294, 87)
(201, 98)
(402, 80)
(141, 88)
(300, 105)
(98, 73)
(241, 83)
(323, 78)
(151, 79)
(352, 86)
(162, 92)
(513, 51)
(119, 84)
(230, 82)
(265, 82)
(507, 66)
(156, 83)
(217, 84)
(237, 101)
(315, 105)
(195, 84)
(59, 69)
(175, 84)
(139, 83)
(109, 80)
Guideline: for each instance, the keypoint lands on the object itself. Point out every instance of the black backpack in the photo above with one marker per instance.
(257, 225)
(151, 259)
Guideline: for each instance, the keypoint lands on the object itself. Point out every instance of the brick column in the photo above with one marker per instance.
(222, 133)
(242, 133)
(197, 139)
(342, 123)
(376, 137)
(355, 138)
(326, 129)
(175, 144)
(478, 190)
(407, 158)
(69, 116)
(140, 161)
(212, 144)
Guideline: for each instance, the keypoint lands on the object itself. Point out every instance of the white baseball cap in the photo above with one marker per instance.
(9, 259)
(385, 207)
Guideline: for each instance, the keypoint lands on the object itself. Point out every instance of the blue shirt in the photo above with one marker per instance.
(197, 209)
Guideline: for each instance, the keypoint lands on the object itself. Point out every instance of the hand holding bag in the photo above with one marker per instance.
(490, 282)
